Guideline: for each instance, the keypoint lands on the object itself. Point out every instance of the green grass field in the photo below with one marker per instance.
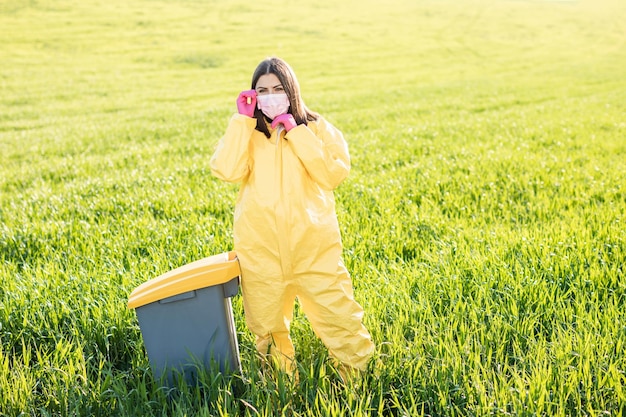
(483, 221)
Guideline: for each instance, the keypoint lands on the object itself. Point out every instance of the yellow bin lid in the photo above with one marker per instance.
(214, 270)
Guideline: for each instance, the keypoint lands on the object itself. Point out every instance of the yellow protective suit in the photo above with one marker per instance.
(287, 237)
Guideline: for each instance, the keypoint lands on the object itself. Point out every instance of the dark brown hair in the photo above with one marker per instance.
(286, 76)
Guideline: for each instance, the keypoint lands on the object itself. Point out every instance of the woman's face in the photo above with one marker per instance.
(269, 84)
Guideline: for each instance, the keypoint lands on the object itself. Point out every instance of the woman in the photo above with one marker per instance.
(288, 160)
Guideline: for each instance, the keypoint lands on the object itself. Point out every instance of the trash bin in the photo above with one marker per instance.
(186, 318)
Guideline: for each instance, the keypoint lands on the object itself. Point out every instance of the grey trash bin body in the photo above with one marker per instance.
(186, 318)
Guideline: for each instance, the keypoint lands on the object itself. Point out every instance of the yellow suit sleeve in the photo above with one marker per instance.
(323, 151)
(230, 161)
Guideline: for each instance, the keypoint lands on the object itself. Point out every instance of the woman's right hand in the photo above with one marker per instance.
(246, 102)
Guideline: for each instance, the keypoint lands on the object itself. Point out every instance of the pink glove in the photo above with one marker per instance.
(286, 119)
(246, 102)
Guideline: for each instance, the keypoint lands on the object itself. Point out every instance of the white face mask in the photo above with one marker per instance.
(273, 105)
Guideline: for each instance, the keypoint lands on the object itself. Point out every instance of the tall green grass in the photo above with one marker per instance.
(483, 221)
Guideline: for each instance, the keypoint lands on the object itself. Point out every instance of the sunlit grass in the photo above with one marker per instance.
(483, 221)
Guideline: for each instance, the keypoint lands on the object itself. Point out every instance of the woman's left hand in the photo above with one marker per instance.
(286, 120)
